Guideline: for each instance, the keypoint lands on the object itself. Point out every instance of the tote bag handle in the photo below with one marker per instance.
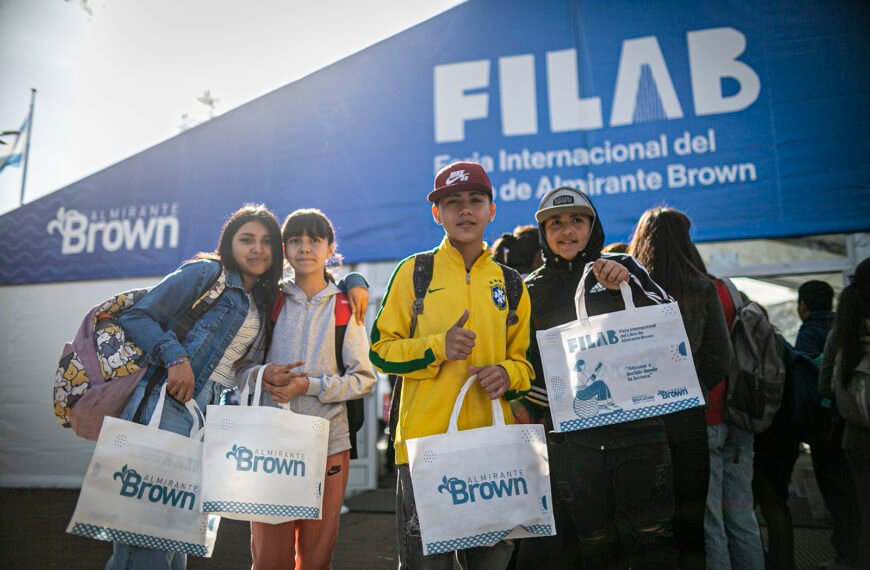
(580, 295)
(258, 389)
(198, 419)
(497, 414)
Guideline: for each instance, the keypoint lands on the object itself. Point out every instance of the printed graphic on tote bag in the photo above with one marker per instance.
(618, 367)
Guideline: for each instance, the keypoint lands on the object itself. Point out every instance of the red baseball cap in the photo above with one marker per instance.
(460, 176)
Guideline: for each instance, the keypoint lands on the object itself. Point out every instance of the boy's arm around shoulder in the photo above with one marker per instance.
(392, 351)
(358, 378)
(516, 363)
(146, 321)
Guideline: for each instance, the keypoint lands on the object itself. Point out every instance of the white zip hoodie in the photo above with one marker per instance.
(305, 330)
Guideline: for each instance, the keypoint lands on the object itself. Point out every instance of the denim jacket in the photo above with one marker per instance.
(151, 321)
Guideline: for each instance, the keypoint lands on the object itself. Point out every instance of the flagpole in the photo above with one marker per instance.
(27, 145)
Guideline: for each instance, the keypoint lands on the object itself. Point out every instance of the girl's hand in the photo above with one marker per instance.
(180, 382)
(283, 383)
(609, 273)
(359, 302)
(283, 394)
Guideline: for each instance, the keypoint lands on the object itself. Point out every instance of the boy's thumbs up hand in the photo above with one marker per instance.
(459, 341)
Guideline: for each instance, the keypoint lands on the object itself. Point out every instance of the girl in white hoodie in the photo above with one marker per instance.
(304, 336)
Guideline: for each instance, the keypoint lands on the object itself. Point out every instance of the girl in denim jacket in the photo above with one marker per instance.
(203, 366)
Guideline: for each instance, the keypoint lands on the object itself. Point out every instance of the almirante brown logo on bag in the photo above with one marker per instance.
(156, 490)
(268, 461)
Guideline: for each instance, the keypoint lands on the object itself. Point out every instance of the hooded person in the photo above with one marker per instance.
(612, 485)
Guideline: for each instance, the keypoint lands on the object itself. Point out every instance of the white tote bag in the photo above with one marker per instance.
(143, 487)
(618, 367)
(263, 464)
(480, 486)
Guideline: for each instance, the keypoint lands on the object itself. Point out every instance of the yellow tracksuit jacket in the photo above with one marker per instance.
(432, 382)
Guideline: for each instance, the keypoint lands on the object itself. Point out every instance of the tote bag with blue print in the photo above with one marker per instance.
(143, 487)
(263, 464)
(477, 487)
(618, 367)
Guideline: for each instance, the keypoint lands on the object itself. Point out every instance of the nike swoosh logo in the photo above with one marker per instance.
(438, 289)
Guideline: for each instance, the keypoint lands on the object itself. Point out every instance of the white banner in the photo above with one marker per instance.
(143, 487)
(480, 486)
(618, 367)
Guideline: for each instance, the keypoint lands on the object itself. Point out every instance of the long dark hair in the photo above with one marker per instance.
(313, 223)
(266, 288)
(853, 308)
(661, 243)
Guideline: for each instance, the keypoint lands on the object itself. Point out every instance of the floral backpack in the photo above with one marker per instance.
(99, 368)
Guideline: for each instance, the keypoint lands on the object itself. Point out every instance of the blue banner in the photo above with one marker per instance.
(751, 117)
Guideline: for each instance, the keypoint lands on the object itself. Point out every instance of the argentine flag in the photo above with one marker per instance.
(12, 151)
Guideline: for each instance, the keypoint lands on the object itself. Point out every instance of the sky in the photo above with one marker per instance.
(117, 78)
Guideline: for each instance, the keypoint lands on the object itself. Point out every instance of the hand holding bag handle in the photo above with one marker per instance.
(191, 406)
(497, 413)
(580, 295)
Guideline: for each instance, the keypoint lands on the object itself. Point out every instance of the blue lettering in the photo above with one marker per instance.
(611, 337)
(243, 459)
(130, 483)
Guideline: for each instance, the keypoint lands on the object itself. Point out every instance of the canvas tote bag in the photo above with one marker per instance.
(263, 464)
(143, 487)
(618, 367)
(480, 486)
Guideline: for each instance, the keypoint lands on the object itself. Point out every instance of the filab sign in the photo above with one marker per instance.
(751, 117)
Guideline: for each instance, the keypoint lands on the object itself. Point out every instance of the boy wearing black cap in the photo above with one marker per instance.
(612, 485)
(461, 332)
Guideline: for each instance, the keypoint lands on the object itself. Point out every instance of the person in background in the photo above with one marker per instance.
(732, 538)
(850, 341)
(661, 243)
(815, 304)
(615, 247)
(520, 250)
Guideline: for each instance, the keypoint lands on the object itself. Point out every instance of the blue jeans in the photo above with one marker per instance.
(176, 419)
(732, 538)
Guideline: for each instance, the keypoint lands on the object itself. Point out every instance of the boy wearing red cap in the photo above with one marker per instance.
(461, 332)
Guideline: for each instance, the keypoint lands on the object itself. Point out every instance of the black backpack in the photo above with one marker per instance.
(810, 419)
(757, 377)
(423, 265)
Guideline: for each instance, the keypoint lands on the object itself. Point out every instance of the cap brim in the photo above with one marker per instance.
(542, 215)
(439, 193)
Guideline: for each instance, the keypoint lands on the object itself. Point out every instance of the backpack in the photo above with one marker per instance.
(757, 377)
(423, 265)
(99, 368)
(853, 401)
(810, 420)
(356, 416)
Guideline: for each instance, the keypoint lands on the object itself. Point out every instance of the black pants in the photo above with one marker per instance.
(690, 456)
(859, 464)
(838, 490)
(772, 467)
(612, 509)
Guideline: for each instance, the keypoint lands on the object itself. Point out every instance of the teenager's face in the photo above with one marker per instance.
(567, 233)
(464, 215)
(252, 250)
(308, 255)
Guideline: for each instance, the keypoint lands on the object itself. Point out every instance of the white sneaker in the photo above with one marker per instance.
(344, 510)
